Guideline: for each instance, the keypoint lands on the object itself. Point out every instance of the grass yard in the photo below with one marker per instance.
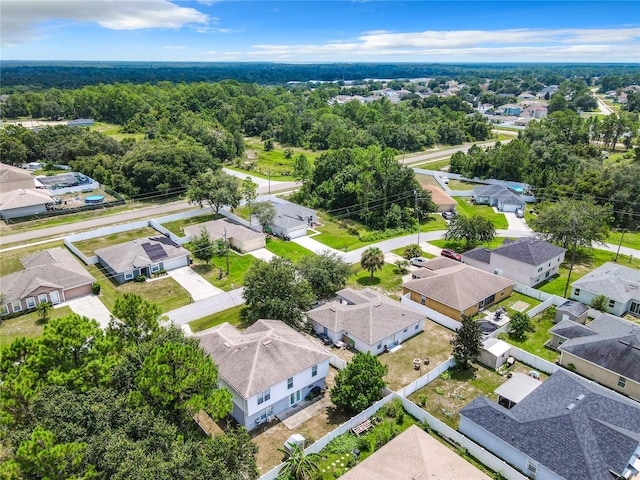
(461, 185)
(341, 235)
(238, 266)
(289, 250)
(388, 279)
(459, 246)
(113, 130)
(454, 389)
(432, 223)
(515, 297)
(442, 165)
(10, 259)
(88, 247)
(177, 225)
(433, 344)
(400, 251)
(533, 342)
(629, 240)
(468, 208)
(586, 261)
(26, 325)
(231, 315)
(425, 180)
(164, 291)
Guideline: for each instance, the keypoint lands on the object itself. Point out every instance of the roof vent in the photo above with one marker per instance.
(332, 309)
(571, 406)
(377, 304)
(226, 344)
(580, 397)
(266, 342)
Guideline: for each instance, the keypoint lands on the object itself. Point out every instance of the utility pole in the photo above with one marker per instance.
(620, 244)
(415, 194)
(269, 174)
(226, 248)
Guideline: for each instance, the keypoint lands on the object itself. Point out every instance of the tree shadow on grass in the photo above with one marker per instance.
(368, 281)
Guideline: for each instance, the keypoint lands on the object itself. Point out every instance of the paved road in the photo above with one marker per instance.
(440, 154)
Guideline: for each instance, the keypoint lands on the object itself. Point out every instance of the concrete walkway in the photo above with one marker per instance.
(90, 306)
(198, 287)
(298, 414)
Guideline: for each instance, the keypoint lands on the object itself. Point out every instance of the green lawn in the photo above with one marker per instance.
(88, 247)
(512, 299)
(177, 225)
(231, 315)
(533, 342)
(629, 240)
(289, 250)
(459, 246)
(165, 291)
(586, 261)
(238, 266)
(400, 251)
(113, 130)
(468, 208)
(432, 223)
(26, 325)
(434, 164)
(461, 185)
(388, 279)
(10, 260)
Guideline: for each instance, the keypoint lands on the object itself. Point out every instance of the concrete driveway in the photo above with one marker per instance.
(516, 223)
(193, 283)
(263, 254)
(90, 306)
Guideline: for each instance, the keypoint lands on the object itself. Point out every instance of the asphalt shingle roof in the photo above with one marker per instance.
(129, 255)
(574, 308)
(615, 281)
(570, 329)
(585, 442)
(529, 250)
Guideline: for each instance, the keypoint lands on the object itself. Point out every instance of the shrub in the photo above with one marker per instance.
(140, 279)
(422, 399)
(364, 444)
(393, 409)
(446, 375)
(95, 288)
(384, 433)
(344, 444)
(440, 391)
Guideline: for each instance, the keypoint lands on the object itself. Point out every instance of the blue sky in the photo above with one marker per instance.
(313, 31)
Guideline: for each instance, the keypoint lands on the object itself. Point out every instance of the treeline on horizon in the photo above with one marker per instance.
(38, 75)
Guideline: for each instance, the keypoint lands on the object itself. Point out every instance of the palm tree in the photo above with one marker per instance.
(43, 311)
(297, 465)
(372, 259)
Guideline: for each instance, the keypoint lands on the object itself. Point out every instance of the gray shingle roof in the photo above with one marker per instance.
(585, 442)
(574, 308)
(615, 346)
(52, 268)
(529, 250)
(482, 254)
(266, 353)
(570, 329)
(372, 318)
(129, 255)
(615, 281)
(499, 192)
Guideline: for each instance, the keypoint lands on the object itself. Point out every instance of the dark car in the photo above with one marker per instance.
(447, 252)
(325, 339)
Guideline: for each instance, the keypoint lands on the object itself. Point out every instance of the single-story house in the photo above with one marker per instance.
(565, 429)
(444, 202)
(414, 454)
(239, 237)
(494, 353)
(606, 350)
(455, 289)
(14, 178)
(24, 202)
(52, 275)
(498, 196)
(570, 310)
(143, 256)
(292, 220)
(268, 368)
(366, 320)
(527, 260)
(621, 285)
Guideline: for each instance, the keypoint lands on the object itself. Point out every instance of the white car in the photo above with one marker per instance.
(445, 180)
(418, 261)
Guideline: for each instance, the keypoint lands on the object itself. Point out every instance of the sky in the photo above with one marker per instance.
(312, 31)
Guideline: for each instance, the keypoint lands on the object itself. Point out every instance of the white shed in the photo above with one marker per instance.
(494, 353)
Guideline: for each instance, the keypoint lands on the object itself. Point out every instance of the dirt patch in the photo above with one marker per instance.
(424, 180)
(520, 306)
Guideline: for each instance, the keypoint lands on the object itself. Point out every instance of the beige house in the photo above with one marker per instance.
(606, 350)
(241, 238)
(444, 203)
(52, 275)
(14, 178)
(455, 289)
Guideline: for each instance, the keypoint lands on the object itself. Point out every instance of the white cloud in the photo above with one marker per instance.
(21, 18)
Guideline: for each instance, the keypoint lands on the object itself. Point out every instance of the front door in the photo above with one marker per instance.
(54, 296)
(294, 398)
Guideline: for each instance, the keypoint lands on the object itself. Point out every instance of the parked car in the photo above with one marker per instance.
(445, 180)
(448, 215)
(447, 252)
(519, 213)
(418, 261)
(325, 339)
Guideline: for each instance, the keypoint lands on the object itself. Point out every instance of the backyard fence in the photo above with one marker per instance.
(427, 378)
(437, 317)
(337, 362)
(533, 360)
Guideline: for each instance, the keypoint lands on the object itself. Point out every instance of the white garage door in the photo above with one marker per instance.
(175, 263)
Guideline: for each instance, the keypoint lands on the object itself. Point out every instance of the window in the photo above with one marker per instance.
(5, 310)
(405, 330)
(128, 275)
(379, 346)
(289, 383)
(16, 306)
(264, 396)
(546, 275)
(314, 370)
(532, 467)
(423, 299)
(155, 268)
(42, 298)
(539, 269)
(576, 292)
(612, 303)
(31, 302)
(622, 382)
(416, 327)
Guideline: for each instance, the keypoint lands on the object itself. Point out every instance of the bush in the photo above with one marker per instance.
(393, 409)
(364, 444)
(344, 444)
(95, 288)
(140, 279)
(446, 375)
(384, 433)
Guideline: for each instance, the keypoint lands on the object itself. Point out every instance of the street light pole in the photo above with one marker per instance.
(620, 244)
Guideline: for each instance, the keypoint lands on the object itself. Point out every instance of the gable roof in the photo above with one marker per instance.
(615, 281)
(500, 193)
(370, 319)
(24, 197)
(266, 353)
(414, 454)
(570, 329)
(55, 268)
(9, 173)
(614, 345)
(529, 250)
(597, 435)
(140, 252)
(574, 308)
(458, 286)
(216, 228)
(438, 196)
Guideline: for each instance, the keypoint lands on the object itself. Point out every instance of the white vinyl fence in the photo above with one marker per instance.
(437, 317)
(427, 378)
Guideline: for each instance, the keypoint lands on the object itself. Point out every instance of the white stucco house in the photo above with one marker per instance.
(268, 368)
(366, 320)
(527, 260)
(498, 196)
